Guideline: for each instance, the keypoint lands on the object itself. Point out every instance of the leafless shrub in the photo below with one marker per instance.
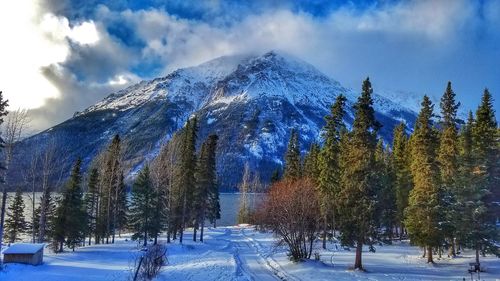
(291, 211)
(149, 265)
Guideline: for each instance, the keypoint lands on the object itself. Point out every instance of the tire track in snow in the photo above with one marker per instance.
(249, 263)
(271, 263)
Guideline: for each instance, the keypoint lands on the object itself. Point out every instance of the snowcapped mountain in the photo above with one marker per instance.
(251, 102)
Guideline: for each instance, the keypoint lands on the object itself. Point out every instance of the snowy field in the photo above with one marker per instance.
(241, 253)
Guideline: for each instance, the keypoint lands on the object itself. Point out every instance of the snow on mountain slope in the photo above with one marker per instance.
(251, 102)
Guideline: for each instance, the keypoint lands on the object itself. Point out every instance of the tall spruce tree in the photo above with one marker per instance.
(15, 223)
(311, 162)
(207, 204)
(386, 209)
(357, 195)
(448, 166)
(109, 190)
(472, 231)
(184, 179)
(401, 168)
(50, 217)
(121, 207)
(423, 212)
(275, 176)
(142, 207)
(90, 200)
(293, 166)
(70, 223)
(486, 152)
(485, 156)
(329, 167)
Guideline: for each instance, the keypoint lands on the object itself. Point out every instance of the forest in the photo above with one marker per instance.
(437, 184)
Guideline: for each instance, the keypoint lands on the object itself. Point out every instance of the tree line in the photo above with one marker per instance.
(437, 184)
(175, 190)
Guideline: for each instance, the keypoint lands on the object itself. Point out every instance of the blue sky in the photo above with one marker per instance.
(414, 46)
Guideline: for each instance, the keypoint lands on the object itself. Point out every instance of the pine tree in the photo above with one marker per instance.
(386, 209)
(121, 207)
(401, 168)
(485, 147)
(484, 191)
(275, 176)
(422, 214)
(15, 223)
(142, 207)
(293, 168)
(90, 200)
(311, 162)
(70, 220)
(357, 195)
(184, 180)
(110, 165)
(329, 167)
(207, 191)
(50, 212)
(448, 166)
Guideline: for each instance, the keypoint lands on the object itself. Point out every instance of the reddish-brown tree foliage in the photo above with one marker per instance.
(291, 211)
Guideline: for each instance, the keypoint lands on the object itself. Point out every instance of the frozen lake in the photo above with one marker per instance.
(229, 203)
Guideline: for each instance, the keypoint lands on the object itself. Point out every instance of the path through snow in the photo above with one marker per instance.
(243, 254)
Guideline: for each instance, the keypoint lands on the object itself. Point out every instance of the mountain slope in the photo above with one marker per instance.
(252, 103)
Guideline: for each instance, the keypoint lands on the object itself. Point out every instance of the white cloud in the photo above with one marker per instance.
(84, 33)
(31, 42)
(410, 45)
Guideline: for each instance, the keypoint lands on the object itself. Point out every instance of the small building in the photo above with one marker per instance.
(24, 253)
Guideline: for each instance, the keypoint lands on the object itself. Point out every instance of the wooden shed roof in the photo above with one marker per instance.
(23, 248)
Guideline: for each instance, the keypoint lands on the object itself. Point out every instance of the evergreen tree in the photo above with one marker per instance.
(213, 204)
(122, 205)
(386, 209)
(15, 223)
(311, 162)
(422, 214)
(276, 176)
(471, 195)
(293, 168)
(207, 204)
(401, 168)
(486, 152)
(485, 184)
(448, 166)
(90, 200)
(329, 167)
(109, 190)
(50, 212)
(70, 220)
(184, 179)
(142, 207)
(357, 195)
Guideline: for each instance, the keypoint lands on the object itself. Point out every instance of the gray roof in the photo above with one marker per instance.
(24, 248)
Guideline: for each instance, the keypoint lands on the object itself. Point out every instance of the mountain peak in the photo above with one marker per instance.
(251, 101)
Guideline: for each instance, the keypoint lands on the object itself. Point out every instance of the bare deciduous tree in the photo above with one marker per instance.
(15, 124)
(50, 173)
(291, 211)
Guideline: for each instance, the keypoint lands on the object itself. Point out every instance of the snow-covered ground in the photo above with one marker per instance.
(241, 253)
